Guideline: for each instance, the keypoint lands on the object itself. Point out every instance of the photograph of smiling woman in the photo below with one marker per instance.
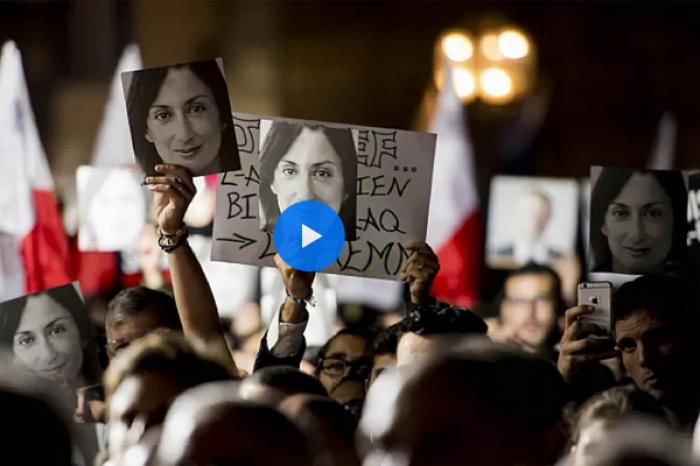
(48, 335)
(637, 223)
(181, 114)
(301, 162)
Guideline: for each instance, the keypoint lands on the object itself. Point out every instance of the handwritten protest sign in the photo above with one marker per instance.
(392, 189)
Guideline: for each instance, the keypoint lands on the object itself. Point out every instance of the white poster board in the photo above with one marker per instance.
(394, 171)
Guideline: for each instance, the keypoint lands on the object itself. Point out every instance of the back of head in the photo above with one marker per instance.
(614, 405)
(135, 301)
(289, 381)
(34, 433)
(203, 421)
(164, 353)
(478, 399)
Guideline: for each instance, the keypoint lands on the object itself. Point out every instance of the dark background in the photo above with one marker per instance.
(608, 70)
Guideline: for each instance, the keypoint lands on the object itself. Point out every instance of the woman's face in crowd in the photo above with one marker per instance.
(310, 170)
(639, 226)
(47, 341)
(184, 122)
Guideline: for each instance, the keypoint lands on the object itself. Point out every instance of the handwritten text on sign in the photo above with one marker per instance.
(394, 169)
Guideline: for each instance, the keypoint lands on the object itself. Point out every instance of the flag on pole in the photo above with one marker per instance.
(33, 246)
(99, 271)
(454, 229)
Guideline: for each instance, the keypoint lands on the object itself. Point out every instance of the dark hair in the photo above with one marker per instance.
(67, 297)
(442, 318)
(279, 139)
(143, 90)
(608, 186)
(164, 353)
(387, 340)
(615, 404)
(669, 296)
(289, 380)
(131, 302)
(367, 334)
(33, 419)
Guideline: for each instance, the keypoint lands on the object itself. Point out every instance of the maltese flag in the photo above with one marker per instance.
(99, 271)
(33, 246)
(454, 229)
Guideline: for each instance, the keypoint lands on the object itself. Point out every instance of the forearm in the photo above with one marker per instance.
(195, 301)
(293, 312)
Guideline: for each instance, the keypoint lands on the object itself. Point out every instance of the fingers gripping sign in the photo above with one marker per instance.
(173, 192)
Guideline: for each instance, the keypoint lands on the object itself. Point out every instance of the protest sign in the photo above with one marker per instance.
(389, 196)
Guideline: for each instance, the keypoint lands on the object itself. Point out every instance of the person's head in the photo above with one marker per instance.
(532, 215)
(142, 381)
(209, 425)
(481, 403)
(300, 162)
(33, 433)
(328, 426)
(601, 412)
(531, 304)
(181, 114)
(637, 220)
(384, 351)
(431, 328)
(286, 381)
(50, 336)
(654, 320)
(344, 362)
(135, 312)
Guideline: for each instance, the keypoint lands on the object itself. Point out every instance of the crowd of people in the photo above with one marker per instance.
(534, 384)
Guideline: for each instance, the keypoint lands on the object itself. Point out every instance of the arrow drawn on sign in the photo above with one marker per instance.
(237, 238)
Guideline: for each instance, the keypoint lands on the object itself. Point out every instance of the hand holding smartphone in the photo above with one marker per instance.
(597, 295)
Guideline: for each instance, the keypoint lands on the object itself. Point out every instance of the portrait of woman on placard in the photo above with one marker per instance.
(181, 114)
(301, 162)
(638, 221)
(48, 335)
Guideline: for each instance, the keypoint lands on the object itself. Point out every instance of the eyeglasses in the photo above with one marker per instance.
(537, 300)
(337, 367)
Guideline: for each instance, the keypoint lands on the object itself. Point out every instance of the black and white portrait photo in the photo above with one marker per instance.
(48, 335)
(638, 220)
(300, 162)
(531, 220)
(181, 114)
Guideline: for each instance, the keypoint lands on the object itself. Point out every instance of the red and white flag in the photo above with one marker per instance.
(99, 271)
(33, 246)
(454, 229)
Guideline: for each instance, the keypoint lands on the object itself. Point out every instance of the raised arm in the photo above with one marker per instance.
(173, 192)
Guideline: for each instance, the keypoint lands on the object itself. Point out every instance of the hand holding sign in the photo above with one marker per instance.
(173, 193)
(421, 268)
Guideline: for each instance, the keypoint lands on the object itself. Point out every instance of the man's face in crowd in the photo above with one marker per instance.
(344, 367)
(121, 333)
(652, 352)
(529, 308)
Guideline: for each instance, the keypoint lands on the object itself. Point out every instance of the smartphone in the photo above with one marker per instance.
(598, 295)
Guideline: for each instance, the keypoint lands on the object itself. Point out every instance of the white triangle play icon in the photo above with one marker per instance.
(308, 236)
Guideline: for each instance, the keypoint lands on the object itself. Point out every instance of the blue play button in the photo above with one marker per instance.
(309, 235)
